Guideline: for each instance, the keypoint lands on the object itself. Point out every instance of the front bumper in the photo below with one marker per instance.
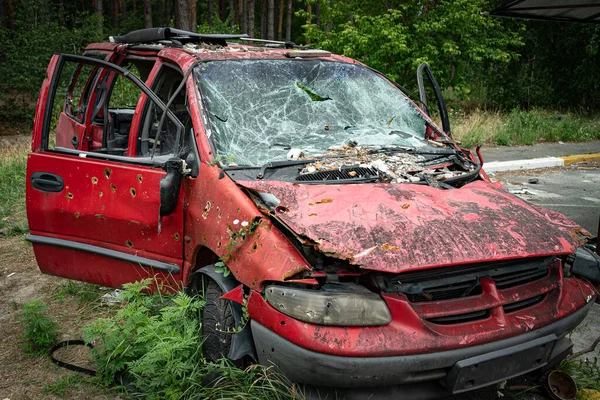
(319, 369)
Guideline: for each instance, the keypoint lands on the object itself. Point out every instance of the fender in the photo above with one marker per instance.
(242, 343)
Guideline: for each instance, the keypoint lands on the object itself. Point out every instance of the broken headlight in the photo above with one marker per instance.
(338, 304)
(585, 264)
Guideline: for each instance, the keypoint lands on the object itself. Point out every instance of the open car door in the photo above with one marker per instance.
(429, 80)
(98, 211)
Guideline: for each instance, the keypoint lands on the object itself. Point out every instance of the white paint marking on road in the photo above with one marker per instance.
(568, 205)
(592, 199)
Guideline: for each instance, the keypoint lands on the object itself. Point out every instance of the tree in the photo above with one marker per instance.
(251, 10)
(271, 19)
(100, 12)
(185, 14)
(288, 22)
(280, 24)
(147, 13)
(210, 13)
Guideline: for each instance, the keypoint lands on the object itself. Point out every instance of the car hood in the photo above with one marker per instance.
(399, 227)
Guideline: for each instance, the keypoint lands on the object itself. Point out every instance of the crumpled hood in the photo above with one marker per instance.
(399, 227)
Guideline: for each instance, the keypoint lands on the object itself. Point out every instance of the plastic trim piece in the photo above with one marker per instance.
(118, 255)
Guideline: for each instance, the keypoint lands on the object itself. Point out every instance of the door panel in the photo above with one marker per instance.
(102, 224)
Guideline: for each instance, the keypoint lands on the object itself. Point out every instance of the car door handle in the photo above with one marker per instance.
(47, 182)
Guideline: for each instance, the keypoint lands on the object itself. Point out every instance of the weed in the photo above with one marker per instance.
(84, 292)
(40, 329)
(155, 341)
(64, 384)
(586, 373)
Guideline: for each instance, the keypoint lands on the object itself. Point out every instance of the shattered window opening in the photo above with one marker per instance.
(260, 109)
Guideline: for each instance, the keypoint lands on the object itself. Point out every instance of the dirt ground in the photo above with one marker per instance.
(21, 377)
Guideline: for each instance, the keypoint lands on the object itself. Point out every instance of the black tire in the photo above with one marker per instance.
(218, 322)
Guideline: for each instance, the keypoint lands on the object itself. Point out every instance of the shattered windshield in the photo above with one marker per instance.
(260, 109)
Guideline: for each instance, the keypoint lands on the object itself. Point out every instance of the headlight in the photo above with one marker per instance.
(586, 265)
(339, 304)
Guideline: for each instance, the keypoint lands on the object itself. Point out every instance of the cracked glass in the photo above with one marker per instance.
(260, 109)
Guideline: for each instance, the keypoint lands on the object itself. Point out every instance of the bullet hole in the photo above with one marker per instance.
(113, 187)
(94, 180)
(129, 243)
(206, 209)
(282, 322)
(107, 172)
(187, 239)
(100, 194)
(69, 196)
(176, 236)
(219, 244)
(281, 209)
(76, 215)
(139, 178)
(132, 191)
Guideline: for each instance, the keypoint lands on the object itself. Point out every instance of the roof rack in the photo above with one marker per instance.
(153, 35)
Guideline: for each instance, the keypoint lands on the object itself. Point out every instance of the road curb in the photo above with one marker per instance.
(581, 158)
(543, 162)
(514, 165)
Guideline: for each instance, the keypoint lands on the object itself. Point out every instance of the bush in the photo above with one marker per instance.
(155, 341)
(40, 329)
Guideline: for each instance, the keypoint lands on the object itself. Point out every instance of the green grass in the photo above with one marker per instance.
(85, 293)
(586, 373)
(13, 163)
(64, 384)
(523, 128)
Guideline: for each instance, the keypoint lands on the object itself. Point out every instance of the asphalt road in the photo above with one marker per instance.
(573, 191)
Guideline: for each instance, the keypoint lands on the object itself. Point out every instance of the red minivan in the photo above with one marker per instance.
(371, 253)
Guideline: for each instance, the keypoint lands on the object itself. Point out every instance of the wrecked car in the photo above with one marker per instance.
(333, 228)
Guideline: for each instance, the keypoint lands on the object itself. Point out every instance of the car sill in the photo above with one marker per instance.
(118, 255)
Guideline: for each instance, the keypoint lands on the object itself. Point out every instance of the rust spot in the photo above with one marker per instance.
(294, 271)
(100, 216)
(296, 184)
(389, 247)
(129, 243)
(187, 238)
(76, 215)
(323, 201)
(69, 196)
(312, 215)
(206, 209)
(135, 222)
(219, 244)
(405, 206)
(204, 238)
(176, 236)
(238, 210)
(100, 194)
(133, 192)
(107, 172)
(94, 180)
(139, 178)
(113, 187)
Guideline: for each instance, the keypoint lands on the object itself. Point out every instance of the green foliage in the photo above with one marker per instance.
(40, 329)
(452, 36)
(63, 385)
(586, 373)
(85, 293)
(156, 340)
(12, 192)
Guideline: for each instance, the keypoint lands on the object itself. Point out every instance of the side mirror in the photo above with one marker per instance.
(438, 95)
(170, 185)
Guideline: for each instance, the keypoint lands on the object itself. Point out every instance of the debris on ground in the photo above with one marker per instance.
(533, 181)
(112, 298)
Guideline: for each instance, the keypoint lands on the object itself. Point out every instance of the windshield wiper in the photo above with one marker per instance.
(412, 150)
(280, 164)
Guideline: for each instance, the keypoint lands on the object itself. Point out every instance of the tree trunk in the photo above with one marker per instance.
(192, 17)
(318, 14)
(271, 20)
(210, 13)
(263, 19)
(182, 15)
(100, 12)
(288, 22)
(222, 10)
(123, 17)
(280, 24)
(147, 13)
(251, 8)
(115, 13)
(231, 13)
(308, 18)
(168, 12)
(244, 15)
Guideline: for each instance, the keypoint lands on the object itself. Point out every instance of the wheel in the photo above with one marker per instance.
(217, 319)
